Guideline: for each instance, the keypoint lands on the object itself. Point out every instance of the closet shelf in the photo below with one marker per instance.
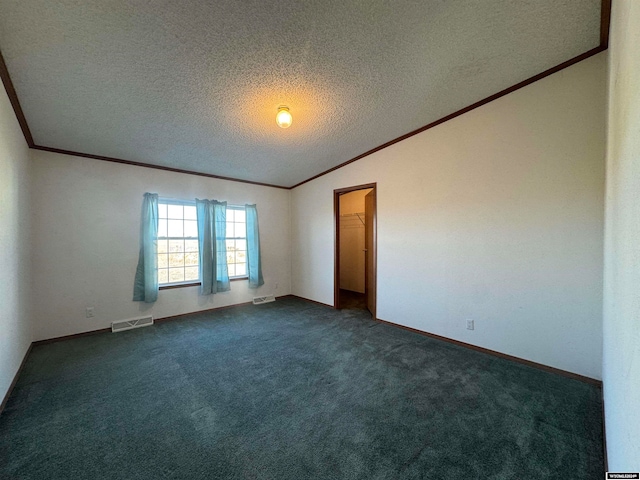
(357, 214)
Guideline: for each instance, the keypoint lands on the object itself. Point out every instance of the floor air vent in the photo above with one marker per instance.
(132, 323)
(265, 299)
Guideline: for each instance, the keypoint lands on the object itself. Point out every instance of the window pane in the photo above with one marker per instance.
(231, 258)
(176, 245)
(241, 244)
(175, 228)
(163, 275)
(241, 256)
(176, 259)
(163, 246)
(232, 270)
(191, 245)
(175, 211)
(241, 269)
(190, 212)
(241, 230)
(230, 214)
(241, 216)
(230, 245)
(176, 275)
(191, 258)
(162, 210)
(162, 228)
(230, 230)
(191, 228)
(191, 273)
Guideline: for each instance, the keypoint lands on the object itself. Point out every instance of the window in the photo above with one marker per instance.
(178, 257)
(177, 242)
(236, 241)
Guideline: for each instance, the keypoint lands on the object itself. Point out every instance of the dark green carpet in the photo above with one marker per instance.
(291, 390)
(350, 299)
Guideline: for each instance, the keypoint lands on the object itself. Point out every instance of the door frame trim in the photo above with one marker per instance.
(336, 230)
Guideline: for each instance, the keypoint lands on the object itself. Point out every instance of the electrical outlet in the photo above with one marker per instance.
(89, 312)
(470, 325)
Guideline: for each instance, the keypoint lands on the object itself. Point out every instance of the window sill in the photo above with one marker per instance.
(195, 284)
(180, 285)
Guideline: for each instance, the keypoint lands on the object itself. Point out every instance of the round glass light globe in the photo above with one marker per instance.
(284, 118)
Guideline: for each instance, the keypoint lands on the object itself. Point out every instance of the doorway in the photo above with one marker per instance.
(355, 247)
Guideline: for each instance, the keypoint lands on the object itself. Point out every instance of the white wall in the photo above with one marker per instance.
(15, 294)
(496, 215)
(621, 365)
(86, 225)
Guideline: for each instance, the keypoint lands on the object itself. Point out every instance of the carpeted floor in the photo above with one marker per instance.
(291, 390)
(351, 300)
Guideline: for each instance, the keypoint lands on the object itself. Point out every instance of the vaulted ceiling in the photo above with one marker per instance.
(195, 85)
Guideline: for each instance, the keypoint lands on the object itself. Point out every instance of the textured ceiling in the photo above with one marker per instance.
(195, 84)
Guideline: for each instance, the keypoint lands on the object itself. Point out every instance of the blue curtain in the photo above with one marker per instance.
(222, 270)
(254, 266)
(145, 288)
(212, 232)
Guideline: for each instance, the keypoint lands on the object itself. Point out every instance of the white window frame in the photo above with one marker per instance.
(246, 274)
(171, 201)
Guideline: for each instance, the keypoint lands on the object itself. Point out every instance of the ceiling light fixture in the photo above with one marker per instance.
(283, 117)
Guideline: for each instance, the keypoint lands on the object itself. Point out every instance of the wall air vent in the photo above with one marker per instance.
(121, 325)
(265, 299)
